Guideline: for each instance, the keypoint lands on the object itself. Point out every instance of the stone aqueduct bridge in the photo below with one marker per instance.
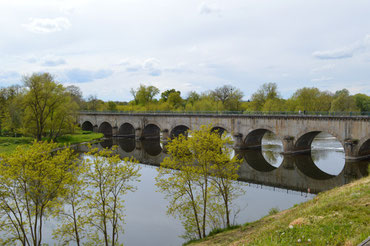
(295, 131)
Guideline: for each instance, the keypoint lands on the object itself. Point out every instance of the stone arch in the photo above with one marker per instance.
(151, 131)
(87, 126)
(254, 137)
(307, 166)
(255, 159)
(219, 129)
(304, 140)
(364, 150)
(106, 129)
(152, 146)
(106, 143)
(126, 130)
(179, 129)
(127, 144)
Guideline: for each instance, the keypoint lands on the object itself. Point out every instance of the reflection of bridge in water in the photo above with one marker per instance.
(297, 172)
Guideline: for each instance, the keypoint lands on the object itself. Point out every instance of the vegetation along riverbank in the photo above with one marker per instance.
(9, 144)
(340, 216)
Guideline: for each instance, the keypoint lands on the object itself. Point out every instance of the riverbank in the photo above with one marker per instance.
(9, 144)
(340, 216)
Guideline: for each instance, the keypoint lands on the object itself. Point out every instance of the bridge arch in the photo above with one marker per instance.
(179, 129)
(364, 148)
(256, 160)
(127, 144)
(307, 166)
(304, 140)
(254, 137)
(126, 130)
(87, 126)
(151, 131)
(219, 129)
(106, 129)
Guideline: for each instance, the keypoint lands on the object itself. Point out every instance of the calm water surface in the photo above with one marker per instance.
(269, 179)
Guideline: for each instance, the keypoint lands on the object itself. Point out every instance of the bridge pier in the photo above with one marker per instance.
(114, 131)
(165, 135)
(290, 148)
(138, 133)
(95, 128)
(350, 147)
(238, 142)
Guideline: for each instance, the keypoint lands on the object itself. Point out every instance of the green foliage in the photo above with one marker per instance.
(94, 208)
(273, 211)
(336, 217)
(49, 109)
(201, 193)
(32, 181)
(144, 94)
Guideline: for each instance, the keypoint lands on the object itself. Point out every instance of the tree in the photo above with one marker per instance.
(112, 106)
(144, 94)
(202, 185)
(109, 178)
(267, 91)
(166, 94)
(229, 96)
(32, 180)
(47, 106)
(343, 102)
(362, 102)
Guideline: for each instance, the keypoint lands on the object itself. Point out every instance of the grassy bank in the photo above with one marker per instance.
(337, 217)
(9, 144)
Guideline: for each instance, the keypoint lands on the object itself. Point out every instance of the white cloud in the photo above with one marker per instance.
(344, 52)
(322, 79)
(323, 68)
(53, 62)
(149, 66)
(46, 25)
(206, 9)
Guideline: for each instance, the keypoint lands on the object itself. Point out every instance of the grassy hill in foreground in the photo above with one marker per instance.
(340, 216)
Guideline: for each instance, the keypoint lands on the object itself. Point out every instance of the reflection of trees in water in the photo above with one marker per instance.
(272, 157)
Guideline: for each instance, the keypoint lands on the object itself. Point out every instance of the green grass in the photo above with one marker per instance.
(337, 217)
(79, 138)
(9, 144)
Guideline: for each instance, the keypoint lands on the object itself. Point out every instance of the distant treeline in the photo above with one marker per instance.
(229, 98)
(42, 107)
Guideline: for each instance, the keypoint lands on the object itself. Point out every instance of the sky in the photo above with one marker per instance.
(108, 47)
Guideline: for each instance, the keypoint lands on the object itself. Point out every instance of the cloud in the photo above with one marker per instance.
(149, 66)
(53, 62)
(344, 52)
(81, 76)
(205, 9)
(9, 78)
(323, 68)
(322, 79)
(46, 25)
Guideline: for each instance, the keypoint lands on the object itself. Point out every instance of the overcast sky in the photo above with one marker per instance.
(107, 47)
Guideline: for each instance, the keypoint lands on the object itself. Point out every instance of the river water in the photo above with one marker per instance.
(269, 179)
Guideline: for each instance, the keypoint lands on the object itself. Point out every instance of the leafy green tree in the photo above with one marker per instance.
(112, 106)
(109, 179)
(175, 100)
(144, 94)
(166, 94)
(202, 186)
(343, 102)
(267, 91)
(229, 96)
(32, 180)
(362, 102)
(48, 108)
